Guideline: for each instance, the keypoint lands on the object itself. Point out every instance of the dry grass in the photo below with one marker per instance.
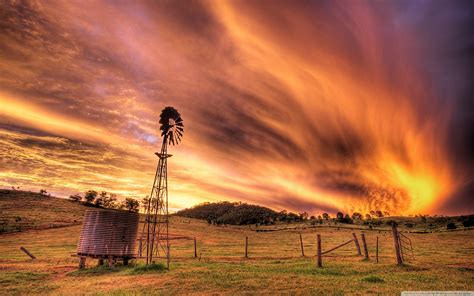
(444, 261)
(23, 210)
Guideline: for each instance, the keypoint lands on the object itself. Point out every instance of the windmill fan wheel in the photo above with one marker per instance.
(172, 128)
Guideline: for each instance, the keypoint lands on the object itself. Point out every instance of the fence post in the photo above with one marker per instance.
(246, 246)
(356, 241)
(377, 250)
(397, 244)
(301, 244)
(195, 248)
(320, 259)
(366, 251)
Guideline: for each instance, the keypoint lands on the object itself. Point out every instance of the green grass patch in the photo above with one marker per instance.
(98, 270)
(140, 269)
(21, 277)
(373, 279)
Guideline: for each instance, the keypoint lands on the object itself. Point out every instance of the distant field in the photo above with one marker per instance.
(444, 261)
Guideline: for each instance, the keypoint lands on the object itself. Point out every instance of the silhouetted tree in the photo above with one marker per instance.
(130, 204)
(368, 217)
(339, 216)
(326, 216)
(90, 196)
(379, 214)
(43, 192)
(356, 216)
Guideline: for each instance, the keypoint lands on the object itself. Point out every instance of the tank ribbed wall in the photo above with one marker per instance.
(108, 233)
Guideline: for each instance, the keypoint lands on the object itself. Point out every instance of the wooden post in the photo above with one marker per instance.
(195, 248)
(377, 250)
(27, 253)
(125, 261)
(366, 251)
(301, 244)
(100, 262)
(110, 261)
(320, 259)
(356, 241)
(397, 244)
(82, 262)
(246, 246)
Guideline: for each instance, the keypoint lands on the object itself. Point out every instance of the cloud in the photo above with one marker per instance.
(310, 106)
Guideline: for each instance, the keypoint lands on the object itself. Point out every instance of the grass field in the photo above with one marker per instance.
(443, 261)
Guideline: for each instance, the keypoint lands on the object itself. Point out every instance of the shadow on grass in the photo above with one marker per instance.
(98, 270)
(131, 269)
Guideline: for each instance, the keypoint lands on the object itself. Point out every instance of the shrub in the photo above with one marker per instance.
(468, 222)
(451, 225)
(75, 198)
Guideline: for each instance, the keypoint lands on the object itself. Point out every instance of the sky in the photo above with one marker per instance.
(316, 106)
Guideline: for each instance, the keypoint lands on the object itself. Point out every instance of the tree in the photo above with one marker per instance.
(90, 196)
(100, 200)
(347, 219)
(368, 217)
(304, 216)
(75, 198)
(312, 217)
(356, 216)
(372, 213)
(326, 216)
(131, 204)
(339, 216)
(386, 214)
(451, 225)
(109, 201)
(144, 203)
(379, 214)
(43, 192)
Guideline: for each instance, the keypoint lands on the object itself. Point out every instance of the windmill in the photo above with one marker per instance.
(156, 228)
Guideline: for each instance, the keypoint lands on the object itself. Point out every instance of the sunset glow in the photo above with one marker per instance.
(314, 106)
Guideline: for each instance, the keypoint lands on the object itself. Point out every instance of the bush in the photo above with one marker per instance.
(468, 222)
(451, 225)
(75, 198)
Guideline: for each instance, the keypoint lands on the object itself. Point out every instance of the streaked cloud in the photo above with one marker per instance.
(308, 105)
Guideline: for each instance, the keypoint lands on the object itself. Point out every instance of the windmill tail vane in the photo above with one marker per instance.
(155, 231)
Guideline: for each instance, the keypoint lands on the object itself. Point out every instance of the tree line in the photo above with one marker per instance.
(106, 200)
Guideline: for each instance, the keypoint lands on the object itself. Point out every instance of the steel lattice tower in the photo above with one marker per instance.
(156, 227)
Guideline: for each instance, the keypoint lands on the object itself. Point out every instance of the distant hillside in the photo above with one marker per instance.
(230, 213)
(24, 210)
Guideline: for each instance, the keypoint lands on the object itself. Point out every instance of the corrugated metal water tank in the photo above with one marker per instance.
(108, 233)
